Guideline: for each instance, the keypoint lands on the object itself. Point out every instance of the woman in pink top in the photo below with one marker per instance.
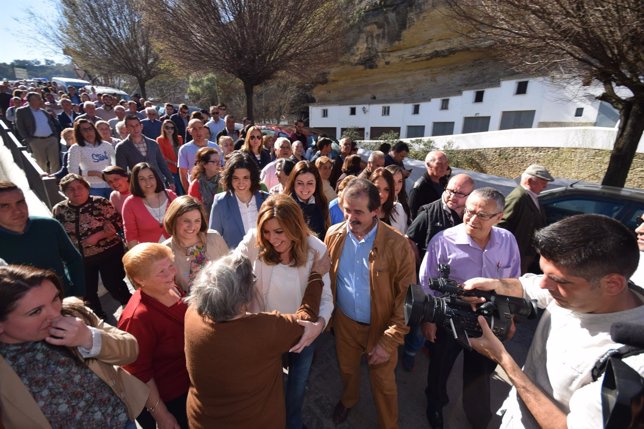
(143, 211)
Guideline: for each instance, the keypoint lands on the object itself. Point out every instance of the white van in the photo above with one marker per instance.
(114, 92)
(64, 82)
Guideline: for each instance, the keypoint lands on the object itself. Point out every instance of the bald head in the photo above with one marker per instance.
(457, 190)
(436, 163)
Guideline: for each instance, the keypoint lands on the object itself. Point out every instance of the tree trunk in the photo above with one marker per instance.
(248, 90)
(142, 83)
(631, 125)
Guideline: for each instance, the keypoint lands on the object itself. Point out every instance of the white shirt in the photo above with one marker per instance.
(564, 350)
(248, 212)
(43, 129)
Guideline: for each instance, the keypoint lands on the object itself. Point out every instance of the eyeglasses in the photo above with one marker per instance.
(254, 137)
(480, 215)
(639, 221)
(453, 193)
(214, 113)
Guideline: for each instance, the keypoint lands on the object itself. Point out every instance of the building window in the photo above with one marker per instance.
(522, 87)
(476, 124)
(385, 110)
(415, 131)
(415, 109)
(442, 128)
(325, 113)
(478, 96)
(445, 104)
(579, 112)
(352, 111)
(517, 119)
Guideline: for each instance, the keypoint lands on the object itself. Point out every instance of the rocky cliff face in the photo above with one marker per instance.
(408, 51)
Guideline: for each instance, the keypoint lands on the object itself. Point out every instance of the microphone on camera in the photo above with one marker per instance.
(631, 334)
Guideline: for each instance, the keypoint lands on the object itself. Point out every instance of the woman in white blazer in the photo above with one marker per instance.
(282, 250)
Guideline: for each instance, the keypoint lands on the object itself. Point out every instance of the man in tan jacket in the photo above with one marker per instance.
(372, 267)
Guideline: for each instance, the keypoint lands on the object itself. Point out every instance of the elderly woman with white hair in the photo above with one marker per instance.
(234, 357)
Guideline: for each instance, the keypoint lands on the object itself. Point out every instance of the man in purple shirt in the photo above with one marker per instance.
(475, 248)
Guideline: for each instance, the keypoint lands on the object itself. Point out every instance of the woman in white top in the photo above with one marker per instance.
(89, 156)
(402, 204)
(282, 250)
(389, 211)
(192, 243)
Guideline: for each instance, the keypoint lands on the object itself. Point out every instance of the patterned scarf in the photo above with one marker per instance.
(208, 188)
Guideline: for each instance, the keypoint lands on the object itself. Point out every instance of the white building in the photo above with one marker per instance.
(521, 103)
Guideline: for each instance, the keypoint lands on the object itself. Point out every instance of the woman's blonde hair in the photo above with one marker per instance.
(137, 260)
(246, 147)
(289, 215)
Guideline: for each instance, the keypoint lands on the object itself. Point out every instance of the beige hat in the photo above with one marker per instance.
(539, 171)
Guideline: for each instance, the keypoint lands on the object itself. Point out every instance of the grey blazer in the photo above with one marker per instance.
(127, 156)
(26, 123)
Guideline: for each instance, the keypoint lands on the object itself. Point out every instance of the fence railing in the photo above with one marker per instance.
(43, 186)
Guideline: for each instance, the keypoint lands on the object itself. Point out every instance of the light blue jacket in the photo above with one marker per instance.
(225, 216)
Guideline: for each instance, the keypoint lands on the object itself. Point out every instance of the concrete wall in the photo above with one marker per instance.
(570, 137)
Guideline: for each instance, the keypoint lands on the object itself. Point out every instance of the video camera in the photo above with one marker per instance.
(457, 316)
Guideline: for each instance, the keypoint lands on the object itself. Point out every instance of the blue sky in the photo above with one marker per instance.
(14, 35)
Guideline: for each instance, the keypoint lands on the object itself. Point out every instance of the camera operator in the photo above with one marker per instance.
(474, 248)
(587, 261)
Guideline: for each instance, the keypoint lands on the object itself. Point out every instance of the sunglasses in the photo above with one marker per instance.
(639, 221)
(254, 137)
(85, 129)
(169, 127)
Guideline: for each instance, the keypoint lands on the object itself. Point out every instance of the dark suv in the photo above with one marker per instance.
(623, 204)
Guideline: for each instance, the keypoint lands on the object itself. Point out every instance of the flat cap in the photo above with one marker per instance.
(539, 171)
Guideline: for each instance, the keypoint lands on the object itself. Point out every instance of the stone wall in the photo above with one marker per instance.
(576, 164)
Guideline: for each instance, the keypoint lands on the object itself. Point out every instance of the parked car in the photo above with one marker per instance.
(274, 130)
(623, 204)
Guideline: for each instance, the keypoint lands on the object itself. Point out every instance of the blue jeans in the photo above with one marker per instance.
(299, 366)
(130, 425)
(177, 185)
(101, 192)
(414, 340)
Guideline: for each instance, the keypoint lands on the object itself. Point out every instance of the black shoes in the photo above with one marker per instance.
(340, 413)
(435, 418)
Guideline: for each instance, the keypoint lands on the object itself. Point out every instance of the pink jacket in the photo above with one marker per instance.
(138, 223)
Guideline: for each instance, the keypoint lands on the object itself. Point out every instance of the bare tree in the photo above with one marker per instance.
(106, 37)
(251, 39)
(601, 40)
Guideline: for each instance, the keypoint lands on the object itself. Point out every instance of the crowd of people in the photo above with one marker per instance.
(231, 252)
